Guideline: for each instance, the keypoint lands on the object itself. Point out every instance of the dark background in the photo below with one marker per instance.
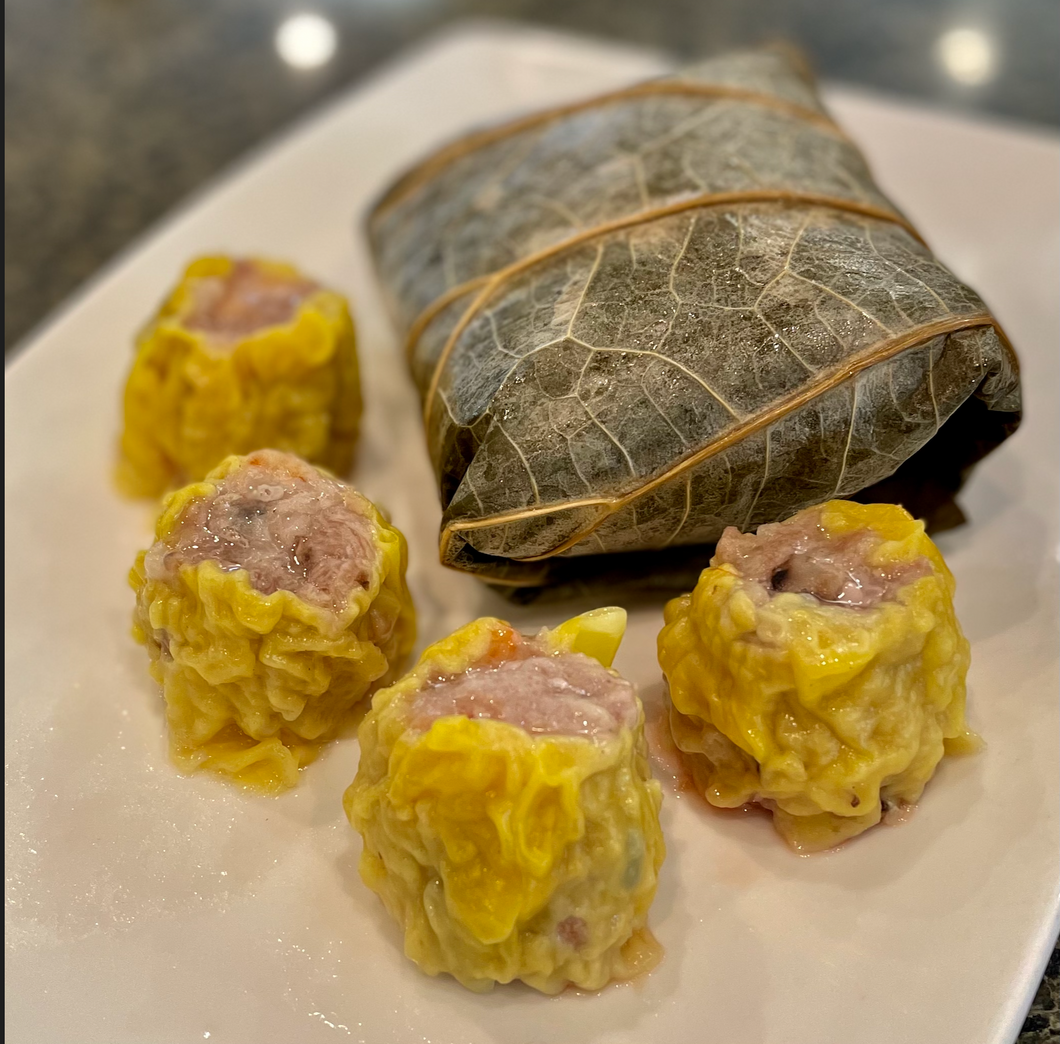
(117, 109)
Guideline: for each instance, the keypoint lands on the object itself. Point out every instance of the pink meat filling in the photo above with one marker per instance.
(287, 525)
(564, 695)
(801, 556)
(248, 299)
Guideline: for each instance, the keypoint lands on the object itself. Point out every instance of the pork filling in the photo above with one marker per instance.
(801, 556)
(562, 695)
(248, 299)
(290, 527)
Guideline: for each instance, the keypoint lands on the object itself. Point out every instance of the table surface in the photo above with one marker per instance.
(116, 110)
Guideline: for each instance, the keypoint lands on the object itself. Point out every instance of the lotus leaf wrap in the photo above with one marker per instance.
(639, 319)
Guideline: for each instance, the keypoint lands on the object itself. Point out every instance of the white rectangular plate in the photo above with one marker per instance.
(145, 908)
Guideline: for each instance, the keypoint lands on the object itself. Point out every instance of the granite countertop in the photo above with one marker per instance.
(118, 109)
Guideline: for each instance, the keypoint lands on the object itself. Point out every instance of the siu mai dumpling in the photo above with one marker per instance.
(272, 601)
(510, 821)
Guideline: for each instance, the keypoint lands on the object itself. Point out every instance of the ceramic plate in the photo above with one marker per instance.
(145, 907)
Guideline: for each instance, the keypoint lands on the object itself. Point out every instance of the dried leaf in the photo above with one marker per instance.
(638, 320)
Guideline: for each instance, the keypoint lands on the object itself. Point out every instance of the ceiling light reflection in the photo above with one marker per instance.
(306, 41)
(967, 55)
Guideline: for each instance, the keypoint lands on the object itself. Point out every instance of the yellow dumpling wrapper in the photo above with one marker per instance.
(255, 684)
(820, 712)
(195, 395)
(504, 854)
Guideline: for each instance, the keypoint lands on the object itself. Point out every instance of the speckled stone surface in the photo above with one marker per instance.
(116, 110)
(1042, 1025)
